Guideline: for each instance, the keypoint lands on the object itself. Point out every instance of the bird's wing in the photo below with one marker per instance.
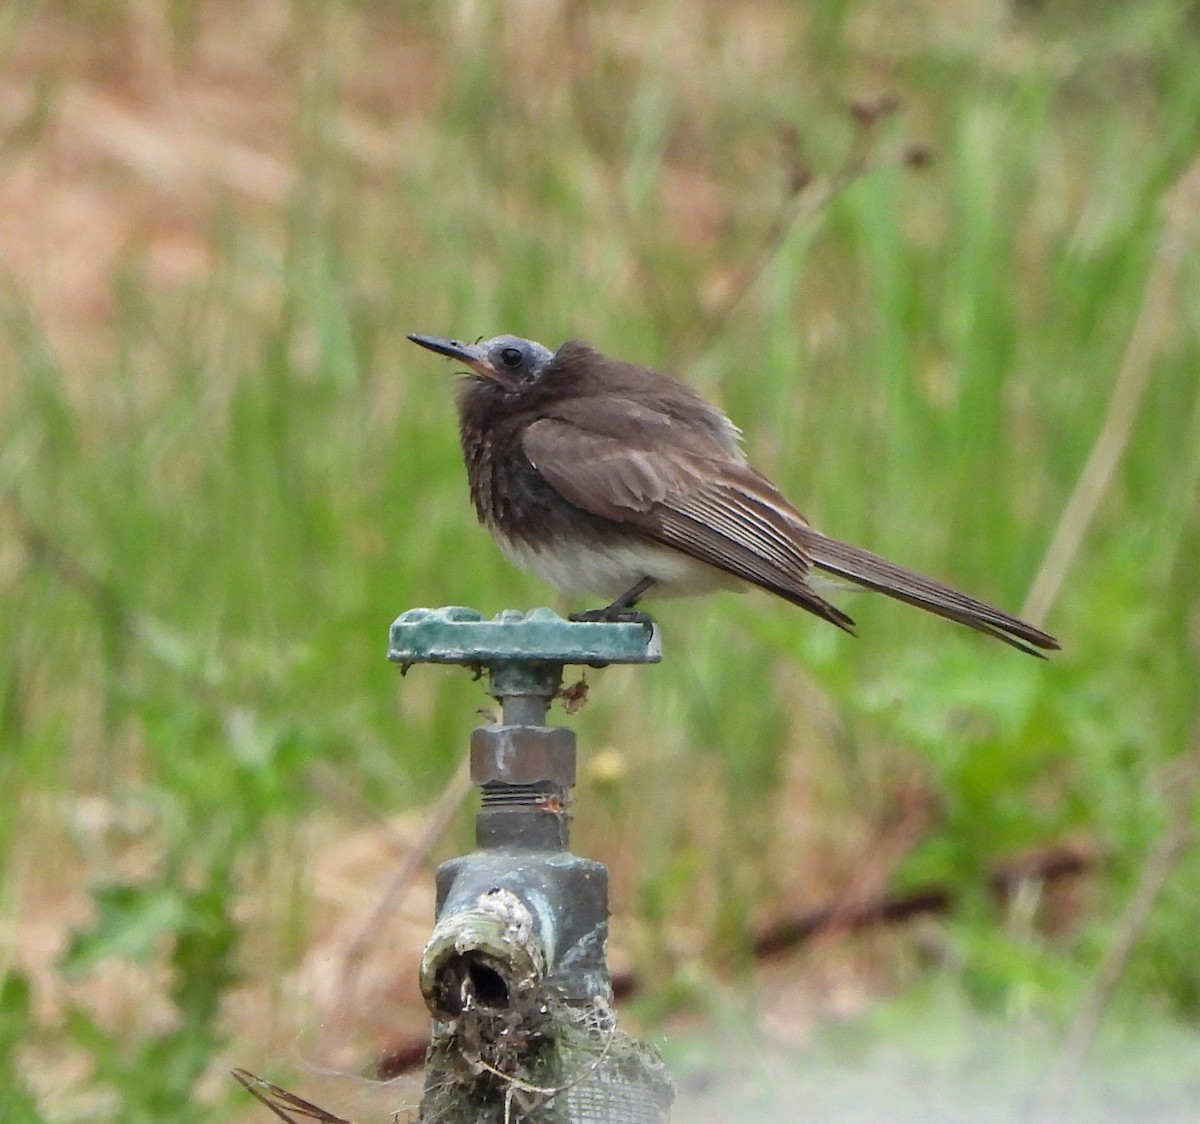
(655, 415)
(608, 396)
(719, 510)
(715, 508)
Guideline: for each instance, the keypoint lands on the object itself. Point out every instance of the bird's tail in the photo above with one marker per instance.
(872, 572)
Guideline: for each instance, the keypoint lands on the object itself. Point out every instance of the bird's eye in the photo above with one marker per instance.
(510, 357)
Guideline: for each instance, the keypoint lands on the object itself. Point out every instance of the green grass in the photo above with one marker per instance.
(217, 492)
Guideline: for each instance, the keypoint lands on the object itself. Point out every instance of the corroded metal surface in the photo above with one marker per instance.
(458, 635)
(523, 755)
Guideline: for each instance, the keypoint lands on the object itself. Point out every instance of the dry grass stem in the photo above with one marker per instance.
(1145, 341)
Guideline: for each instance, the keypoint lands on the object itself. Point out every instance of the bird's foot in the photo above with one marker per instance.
(614, 615)
(620, 611)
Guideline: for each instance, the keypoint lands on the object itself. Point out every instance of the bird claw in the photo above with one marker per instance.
(609, 615)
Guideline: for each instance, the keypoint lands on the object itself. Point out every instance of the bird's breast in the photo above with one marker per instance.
(539, 531)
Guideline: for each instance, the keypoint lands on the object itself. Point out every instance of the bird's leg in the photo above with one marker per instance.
(629, 598)
(621, 610)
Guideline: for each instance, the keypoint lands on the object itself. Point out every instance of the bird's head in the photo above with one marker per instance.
(509, 361)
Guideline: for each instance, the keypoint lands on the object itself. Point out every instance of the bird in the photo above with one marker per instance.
(606, 477)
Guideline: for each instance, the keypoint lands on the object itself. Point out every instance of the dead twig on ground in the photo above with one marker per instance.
(283, 1103)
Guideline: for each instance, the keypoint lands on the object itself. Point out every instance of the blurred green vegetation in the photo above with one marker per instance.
(220, 480)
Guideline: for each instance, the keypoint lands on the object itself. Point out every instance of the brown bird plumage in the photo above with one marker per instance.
(607, 477)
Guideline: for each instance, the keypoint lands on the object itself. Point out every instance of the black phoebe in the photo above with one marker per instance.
(607, 477)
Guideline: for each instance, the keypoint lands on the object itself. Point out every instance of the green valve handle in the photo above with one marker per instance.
(461, 636)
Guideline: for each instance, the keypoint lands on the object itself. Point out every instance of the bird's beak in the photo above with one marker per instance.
(470, 354)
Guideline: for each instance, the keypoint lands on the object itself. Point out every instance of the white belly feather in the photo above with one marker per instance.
(611, 570)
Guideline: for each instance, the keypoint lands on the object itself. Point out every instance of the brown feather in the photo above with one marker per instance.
(586, 467)
(872, 572)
